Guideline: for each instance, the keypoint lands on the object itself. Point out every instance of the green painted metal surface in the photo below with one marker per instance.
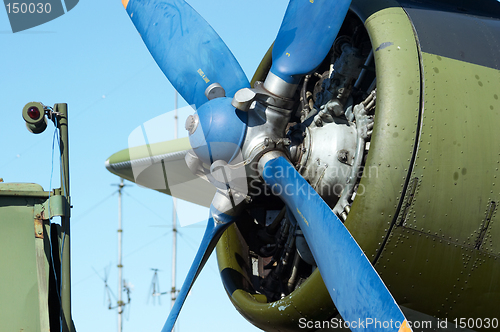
(446, 234)
(396, 122)
(24, 271)
(427, 212)
(385, 173)
(282, 315)
(56, 206)
(32, 298)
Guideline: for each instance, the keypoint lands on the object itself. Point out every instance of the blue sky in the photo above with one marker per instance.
(93, 59)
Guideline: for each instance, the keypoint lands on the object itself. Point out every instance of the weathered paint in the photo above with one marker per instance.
(396, 126)
(429, 205)
(398, 107)
(436, 249)
(24, 271)
(282, 315)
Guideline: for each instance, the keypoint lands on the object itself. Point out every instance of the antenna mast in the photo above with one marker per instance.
(120, 265)
(174, 223)
(173, 290)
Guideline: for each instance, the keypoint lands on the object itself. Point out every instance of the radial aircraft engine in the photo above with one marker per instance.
(355, 176)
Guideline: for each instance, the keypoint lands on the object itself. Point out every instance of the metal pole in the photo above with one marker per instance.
(120, 266)
(62, 124)
(174, 251)
(174, 224)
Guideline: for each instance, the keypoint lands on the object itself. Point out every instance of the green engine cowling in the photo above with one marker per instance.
(426, 215)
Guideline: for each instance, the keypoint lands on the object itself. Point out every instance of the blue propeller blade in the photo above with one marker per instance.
(215, 227)
(355, 287)
(186, 48)
(307, 33)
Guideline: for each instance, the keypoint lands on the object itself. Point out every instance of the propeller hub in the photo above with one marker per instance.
(217, 131)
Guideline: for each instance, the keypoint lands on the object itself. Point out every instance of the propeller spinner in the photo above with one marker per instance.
(252, 126)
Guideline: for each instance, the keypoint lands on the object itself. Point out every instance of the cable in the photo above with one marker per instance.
(55, 137)
(57, 282)
(196, 250)
(145, 245)
(130, 78)
(83, 214)
(149, 209)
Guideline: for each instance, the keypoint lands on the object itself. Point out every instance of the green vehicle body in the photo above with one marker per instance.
(35, 280)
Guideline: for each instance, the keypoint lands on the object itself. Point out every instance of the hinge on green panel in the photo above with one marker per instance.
(56, 206)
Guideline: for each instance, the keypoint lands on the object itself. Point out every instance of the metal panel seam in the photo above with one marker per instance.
(415, 146)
